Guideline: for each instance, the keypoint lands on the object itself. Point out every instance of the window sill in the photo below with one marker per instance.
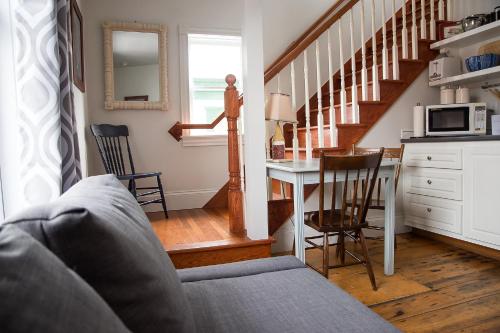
(204, 140)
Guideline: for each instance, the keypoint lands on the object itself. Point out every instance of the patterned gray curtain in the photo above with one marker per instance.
(50, 162)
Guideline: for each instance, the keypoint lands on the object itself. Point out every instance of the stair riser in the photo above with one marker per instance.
(314, 138)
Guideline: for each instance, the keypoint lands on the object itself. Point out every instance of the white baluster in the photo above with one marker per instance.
(404, 33)
(364, 71)
(308, 108)
(354, 87)
(432, 23)
(343, 97)
(333, 125)
(279, 82)
(449, 10)
(321, 125)
(295, 140)
(395, 51)
(414, 37)
(375, 83)
(385, 51)
(423, 21)
(441, 10)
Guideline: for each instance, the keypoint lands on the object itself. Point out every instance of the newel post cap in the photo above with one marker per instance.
(230, 80)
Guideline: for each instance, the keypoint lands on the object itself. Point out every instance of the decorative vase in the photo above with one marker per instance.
(278, 144)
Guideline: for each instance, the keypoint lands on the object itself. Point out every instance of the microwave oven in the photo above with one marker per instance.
(456, 119)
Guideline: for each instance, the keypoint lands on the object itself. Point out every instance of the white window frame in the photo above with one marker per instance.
(188, 139)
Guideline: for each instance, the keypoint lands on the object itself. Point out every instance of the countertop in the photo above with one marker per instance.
(452, 138)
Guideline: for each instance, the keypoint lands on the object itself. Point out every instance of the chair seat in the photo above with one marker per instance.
(334, 225)
(139, 175)
(373, 205)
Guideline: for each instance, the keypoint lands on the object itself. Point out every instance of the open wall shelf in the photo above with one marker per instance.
(485, 32)
(478, 76)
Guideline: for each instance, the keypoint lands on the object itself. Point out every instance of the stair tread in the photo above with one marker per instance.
(327, 126)
(326, 108)
(370, 83)
(315, 148)
(359, 69)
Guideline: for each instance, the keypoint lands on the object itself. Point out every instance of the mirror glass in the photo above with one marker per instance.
(136, 71)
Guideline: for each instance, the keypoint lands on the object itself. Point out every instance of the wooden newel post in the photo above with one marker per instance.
(235, 195)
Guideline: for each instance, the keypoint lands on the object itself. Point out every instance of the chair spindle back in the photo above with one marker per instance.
(111, 141)
(389, 153)
(356, 169)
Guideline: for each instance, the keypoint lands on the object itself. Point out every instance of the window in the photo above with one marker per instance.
(210, 57)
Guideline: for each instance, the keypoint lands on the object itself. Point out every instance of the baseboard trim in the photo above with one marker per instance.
(187, 199)
(475, 248)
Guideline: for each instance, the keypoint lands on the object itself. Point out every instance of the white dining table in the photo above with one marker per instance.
(304, 172)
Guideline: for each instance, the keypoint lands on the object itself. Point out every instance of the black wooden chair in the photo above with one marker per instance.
(340, 220)
(112, 141)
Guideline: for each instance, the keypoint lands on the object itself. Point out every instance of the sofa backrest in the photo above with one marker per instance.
(98, 230)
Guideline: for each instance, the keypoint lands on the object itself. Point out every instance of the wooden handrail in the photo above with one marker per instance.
(298, 46)
(304, 41)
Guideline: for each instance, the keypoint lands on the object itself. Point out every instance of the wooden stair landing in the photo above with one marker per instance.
(201, 237)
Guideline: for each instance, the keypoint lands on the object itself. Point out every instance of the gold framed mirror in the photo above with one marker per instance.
(135, 66)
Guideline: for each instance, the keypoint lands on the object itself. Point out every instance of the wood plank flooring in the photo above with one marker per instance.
(200, 237)
(192, 226)
(436, 288)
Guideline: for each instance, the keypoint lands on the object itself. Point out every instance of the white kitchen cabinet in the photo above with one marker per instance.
(453, 189)
(446, 184)
(482, 194)
(432, 212)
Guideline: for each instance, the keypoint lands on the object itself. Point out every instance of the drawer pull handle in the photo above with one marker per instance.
(429, 158)
(429, 181)
(429, 210)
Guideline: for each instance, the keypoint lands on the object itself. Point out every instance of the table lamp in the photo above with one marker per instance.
(279, 108)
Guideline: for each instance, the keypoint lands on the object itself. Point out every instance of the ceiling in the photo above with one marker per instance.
(134, 48)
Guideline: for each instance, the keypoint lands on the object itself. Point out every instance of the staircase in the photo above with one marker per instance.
(349, 131)
(348, 101)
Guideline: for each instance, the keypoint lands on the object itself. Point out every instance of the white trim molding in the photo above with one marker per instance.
(184, 199)
(204, 140)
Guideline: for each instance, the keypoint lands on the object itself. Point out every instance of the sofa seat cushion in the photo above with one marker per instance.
(293, 300)
(242, 268)
(38, 293)
(98, 229)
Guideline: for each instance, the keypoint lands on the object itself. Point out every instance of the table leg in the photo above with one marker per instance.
(298, 207)
(390, 205)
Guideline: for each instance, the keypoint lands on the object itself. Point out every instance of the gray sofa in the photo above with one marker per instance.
(90, 262)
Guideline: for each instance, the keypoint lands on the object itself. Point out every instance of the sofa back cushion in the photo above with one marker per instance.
(39, 293)
(98, 229)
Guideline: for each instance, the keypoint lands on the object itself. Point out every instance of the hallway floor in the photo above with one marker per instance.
(436, 288)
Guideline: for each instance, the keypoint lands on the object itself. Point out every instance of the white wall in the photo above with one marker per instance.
(137, 81)
(191, 175)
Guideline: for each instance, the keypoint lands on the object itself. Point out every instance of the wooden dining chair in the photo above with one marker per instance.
(340, 220)
(112, 142)
(376, 202)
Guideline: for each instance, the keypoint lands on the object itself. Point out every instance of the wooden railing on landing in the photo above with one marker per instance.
(296, 48)
(232, 104)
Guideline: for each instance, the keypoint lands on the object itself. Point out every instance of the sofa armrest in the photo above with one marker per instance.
(238, 269)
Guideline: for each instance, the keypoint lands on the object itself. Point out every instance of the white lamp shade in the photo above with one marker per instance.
(279, 107)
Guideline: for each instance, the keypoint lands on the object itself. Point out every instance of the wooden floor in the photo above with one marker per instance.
(436, 288)
(191, 226)
(199, 237)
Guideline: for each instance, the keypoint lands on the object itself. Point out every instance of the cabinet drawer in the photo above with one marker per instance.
(433, 212)
(428, 157)
(446, 184)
